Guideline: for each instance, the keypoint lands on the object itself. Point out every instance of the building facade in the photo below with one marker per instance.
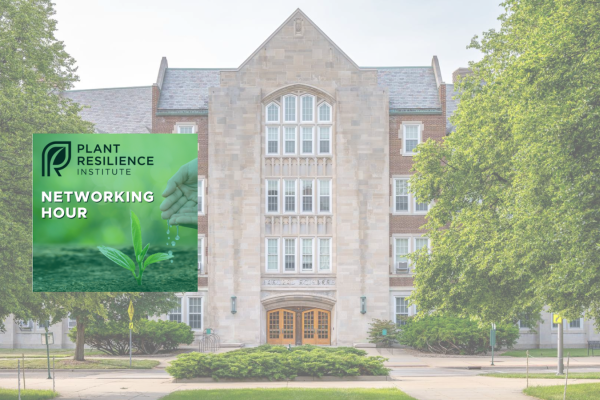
(305, 215)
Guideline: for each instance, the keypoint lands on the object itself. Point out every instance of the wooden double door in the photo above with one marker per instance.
(299, 325)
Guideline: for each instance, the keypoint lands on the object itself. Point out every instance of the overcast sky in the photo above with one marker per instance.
(120, 43)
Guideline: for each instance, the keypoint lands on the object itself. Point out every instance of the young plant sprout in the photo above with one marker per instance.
(122, 260)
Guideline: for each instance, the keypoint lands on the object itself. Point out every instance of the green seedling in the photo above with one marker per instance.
(122, 260)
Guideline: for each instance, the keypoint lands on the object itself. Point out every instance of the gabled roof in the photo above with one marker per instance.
(410, 87)
(295, 14)
(187, 89)
(116, 110)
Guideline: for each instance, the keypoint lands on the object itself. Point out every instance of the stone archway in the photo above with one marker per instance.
(298, 319)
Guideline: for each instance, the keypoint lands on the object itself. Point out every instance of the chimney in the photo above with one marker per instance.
(460, 73)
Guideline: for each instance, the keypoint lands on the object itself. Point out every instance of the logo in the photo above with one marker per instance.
(56, 155)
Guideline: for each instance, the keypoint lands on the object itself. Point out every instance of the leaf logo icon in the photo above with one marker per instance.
(56, 155)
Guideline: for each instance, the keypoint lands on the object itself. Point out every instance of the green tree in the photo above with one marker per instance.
(34, 68)
(517, 215)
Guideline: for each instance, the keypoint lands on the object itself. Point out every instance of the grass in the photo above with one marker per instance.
(34, 353)
(11, 394)
(550, 353)
(290, 394)
(581, 391)
(88, 364)
(30, 356)
(574, 375)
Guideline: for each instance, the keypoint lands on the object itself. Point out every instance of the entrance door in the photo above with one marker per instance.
(316, 325)
(280, 325)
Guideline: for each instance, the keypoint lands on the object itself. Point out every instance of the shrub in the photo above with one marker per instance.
(453, 335)
(376, 332)
(149, 337)
(277, 363)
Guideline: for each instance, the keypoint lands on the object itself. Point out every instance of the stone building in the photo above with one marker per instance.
(305, 217)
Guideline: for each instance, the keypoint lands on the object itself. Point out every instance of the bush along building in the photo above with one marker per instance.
(305, 216)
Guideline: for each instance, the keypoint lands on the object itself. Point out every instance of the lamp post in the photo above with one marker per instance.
(46, 326)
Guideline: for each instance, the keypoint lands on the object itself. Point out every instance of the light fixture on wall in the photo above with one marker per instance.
(363, 304)
(233, 304)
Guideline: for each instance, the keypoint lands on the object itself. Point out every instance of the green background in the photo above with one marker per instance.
(108, 224)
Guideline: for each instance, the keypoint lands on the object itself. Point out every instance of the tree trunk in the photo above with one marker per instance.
(79, 355)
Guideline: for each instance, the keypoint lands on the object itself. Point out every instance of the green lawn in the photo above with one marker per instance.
(29, 356)
(88, 364)
(574, 375)
(10, 394)
(5, 353)
(550, 353)
(290, 394)
(580, 391)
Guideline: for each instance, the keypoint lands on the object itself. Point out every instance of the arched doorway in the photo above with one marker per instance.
(299, 325)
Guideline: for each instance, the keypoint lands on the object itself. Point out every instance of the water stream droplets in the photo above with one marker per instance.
(177, 237)
(173, 243)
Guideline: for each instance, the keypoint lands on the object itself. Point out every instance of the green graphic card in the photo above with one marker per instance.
(97, 223)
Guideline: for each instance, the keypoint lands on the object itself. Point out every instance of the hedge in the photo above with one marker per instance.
(277, 363)
(149, 337)
(453, 335)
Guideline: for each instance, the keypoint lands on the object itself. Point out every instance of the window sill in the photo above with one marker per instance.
(408, 154)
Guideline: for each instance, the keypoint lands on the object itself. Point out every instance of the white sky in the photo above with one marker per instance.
(120, 42)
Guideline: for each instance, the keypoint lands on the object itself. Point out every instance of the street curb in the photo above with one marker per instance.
(360, 378)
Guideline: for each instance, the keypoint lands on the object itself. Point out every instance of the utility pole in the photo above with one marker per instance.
(560, 369)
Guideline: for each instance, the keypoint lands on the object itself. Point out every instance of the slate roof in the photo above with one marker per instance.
(187, 89)
(410, 87)
(116, 110)
(451, 105)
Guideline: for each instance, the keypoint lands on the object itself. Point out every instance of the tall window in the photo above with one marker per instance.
(289, 140)
(290, 196)
(401, 195)
(289, 109)
(272, 140)
(201, 196)
(307, 140)
(421, 243)
(272, 196)
(421, 207)
(401, 311)
(200, 255)
(401, 253)
(290, 255)
(272, 113)
(307, 254)
(324, 140)
(324, 254)
(307, 196)
(411, 137)
(307, 108)
(273, 255)
(195, 312)
(324, 196)
(175, 313)
(324, 113)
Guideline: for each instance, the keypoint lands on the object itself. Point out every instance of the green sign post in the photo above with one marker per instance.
(493, 340)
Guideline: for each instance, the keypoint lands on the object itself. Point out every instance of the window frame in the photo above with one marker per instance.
(396, 313)
(284, 255)
(278, 255)
(189, 313)
(201, 265)
(319, 269)
(322, 104)
(285, 140)
(408, 196)
(313, 108)
(267, 153)
(201, 197)
(319, 196)
(267, 196)
(312, 255)
(192, 126)
(180, 313)
(330, 141)
(285, 104)
(580, 327)
(302, 196)
(419, 126)
(312, 140)
(395, 251)
(267, 113)
(285, 196)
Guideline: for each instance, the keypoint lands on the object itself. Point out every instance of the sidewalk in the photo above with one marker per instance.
(399, 358)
